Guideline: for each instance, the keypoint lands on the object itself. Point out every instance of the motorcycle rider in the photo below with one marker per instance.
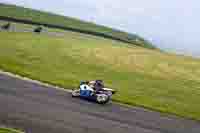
(91, 87)
(96, 85)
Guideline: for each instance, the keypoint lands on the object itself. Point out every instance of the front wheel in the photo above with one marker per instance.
(102, 98)
(75, 93)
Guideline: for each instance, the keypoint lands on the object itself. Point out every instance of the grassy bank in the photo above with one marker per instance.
(49, 18)
(143, 77)
(8, 130)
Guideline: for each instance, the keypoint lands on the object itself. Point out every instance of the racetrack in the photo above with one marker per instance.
(38, 109)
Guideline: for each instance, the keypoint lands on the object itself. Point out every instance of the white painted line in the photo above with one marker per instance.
(33, 81)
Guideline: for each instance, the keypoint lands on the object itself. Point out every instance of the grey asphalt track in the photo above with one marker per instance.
(38, 109)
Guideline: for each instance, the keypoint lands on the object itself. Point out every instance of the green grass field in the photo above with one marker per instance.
(8, 130)
(142, 77)
(49, 18)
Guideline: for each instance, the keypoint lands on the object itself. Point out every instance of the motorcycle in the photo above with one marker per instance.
(88, 90)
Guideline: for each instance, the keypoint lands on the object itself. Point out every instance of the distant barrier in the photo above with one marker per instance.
(104, 35)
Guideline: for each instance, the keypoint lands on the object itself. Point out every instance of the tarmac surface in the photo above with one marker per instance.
(38, 109)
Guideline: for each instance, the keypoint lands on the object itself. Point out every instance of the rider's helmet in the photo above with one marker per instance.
(99, 83)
